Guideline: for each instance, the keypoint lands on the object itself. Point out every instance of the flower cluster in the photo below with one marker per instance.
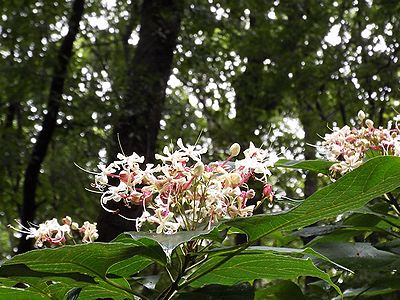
(52, 233)
(348, 147)
(183, 193)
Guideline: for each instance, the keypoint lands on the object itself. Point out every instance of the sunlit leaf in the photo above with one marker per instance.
(248, 267)
(77, 266)
(21, 294)
(169, 242)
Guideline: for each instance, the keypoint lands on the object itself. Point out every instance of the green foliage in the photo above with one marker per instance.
(116, 269)
(376, 177)
(248, 267)
(246, 70)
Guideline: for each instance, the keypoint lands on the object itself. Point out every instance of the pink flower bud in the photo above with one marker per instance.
(268, 192)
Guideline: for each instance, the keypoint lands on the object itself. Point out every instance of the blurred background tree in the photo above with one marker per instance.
(273, 72)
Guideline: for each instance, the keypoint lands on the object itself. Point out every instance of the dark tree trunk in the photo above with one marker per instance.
(251, 96)
(39, 151)
(11, 112)
(311, 122)
(140, 109)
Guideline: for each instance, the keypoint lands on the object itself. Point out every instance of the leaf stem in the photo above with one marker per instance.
(170, 291)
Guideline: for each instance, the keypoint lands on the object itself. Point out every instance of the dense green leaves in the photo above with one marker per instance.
(324, 61)
(89, 266)
(374, 178)
(100, 270)
(91, 259)
(21, 294)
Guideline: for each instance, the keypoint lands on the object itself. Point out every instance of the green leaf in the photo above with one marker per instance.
(56, 285)
(103, 290)
(367, 292)
(169, 242)
(280, 290)
(91, 259)
(76, 266)
(248, 267)
(392, 246)
(153, 249)
(374, 178)
(282, 250)
(318, 166)
(219, 292)
(21, 294)
(130, 266)
(318, 230)
(21, 270)
(359, 256)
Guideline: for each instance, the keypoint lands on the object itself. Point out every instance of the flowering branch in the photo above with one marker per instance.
(183, 193)
(349, 147)
(52, 233)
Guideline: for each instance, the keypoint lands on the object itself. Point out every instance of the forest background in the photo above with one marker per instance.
(75, 75)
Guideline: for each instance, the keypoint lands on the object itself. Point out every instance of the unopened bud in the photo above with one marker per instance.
(361, 115)
(369, 123)
(235, 179)
(67, 220)
(234, 149)
(268, 192)
(198, 169)
(74, 226)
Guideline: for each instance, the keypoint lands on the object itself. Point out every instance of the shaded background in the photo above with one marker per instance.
(74, 74)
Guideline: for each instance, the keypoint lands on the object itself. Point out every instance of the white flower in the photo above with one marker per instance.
(130, 161)
(142, 219)
(191, 150)
(184, 193)
(50, 231)
(165, 225)
(173, 157)
(256, 160)
(89, 232)
(114, 193)
(348, 147)
(101, 179)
